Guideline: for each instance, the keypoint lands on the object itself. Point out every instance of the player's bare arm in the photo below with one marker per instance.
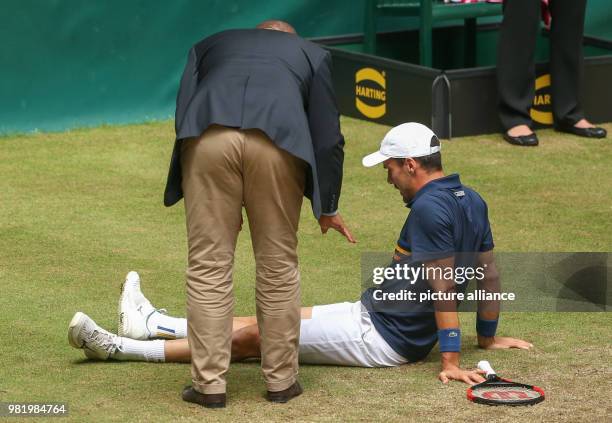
(449, 334)
(488, 311)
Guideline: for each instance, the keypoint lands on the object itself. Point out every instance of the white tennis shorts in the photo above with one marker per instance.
(343, 334)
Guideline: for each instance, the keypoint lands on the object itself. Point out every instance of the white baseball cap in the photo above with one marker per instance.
(406, 140)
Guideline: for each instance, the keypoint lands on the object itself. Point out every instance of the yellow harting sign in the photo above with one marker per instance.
(541, 110)
(371, 92)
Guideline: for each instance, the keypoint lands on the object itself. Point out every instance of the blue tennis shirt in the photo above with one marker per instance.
(446, 218)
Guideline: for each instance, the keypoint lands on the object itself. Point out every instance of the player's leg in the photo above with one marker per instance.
(306, 313)
(177, 351)
(245, 338)
(245, 343)
(340, 334)
(343, 334)
(100, 344)
(140, 326)
(139, 319)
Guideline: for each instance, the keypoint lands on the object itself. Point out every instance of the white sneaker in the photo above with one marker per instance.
(84, 333)
(134, 309)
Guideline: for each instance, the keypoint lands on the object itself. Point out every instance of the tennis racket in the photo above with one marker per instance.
(498, 391)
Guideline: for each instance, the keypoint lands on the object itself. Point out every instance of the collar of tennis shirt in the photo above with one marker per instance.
(446, 182)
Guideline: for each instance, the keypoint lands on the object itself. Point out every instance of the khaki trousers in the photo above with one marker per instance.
(222, 170)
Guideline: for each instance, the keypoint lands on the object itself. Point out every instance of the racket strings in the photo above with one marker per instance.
(506, 392)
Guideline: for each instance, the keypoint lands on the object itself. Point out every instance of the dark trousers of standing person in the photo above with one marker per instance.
(515, 60)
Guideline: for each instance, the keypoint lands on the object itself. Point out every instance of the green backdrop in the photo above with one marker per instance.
(71, 63)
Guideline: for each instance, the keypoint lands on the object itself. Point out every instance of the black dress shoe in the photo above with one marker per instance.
(595, 132)
(530, 140)
(205, 400)
(284, 396)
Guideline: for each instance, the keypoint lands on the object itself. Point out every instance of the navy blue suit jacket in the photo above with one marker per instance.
(273, 81)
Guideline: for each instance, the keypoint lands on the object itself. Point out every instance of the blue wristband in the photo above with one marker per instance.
(450, 340)
(486, 327)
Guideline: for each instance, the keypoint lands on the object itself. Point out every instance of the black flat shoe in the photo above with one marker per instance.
(530, 140)
(595, 132)
(205, 400)
(284, 396)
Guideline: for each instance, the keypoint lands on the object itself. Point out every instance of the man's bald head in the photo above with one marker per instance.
(277, 26)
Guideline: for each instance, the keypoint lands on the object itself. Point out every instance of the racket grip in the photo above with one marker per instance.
(486, 366)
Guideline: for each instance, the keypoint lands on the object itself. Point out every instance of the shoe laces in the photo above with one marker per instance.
(104, 341)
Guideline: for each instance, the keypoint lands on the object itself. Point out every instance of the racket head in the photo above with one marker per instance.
(498, 391)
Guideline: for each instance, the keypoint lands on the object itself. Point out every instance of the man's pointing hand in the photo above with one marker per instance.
(335, 222)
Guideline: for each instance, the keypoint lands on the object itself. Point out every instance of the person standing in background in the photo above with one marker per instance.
(256, 126)
(516, 69)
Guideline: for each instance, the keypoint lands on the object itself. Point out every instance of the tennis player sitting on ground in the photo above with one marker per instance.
(447, 220)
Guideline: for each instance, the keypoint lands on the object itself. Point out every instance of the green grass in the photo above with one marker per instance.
(81, 208)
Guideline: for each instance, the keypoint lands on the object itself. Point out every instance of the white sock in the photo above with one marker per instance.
(132, 350)
(163, 326)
